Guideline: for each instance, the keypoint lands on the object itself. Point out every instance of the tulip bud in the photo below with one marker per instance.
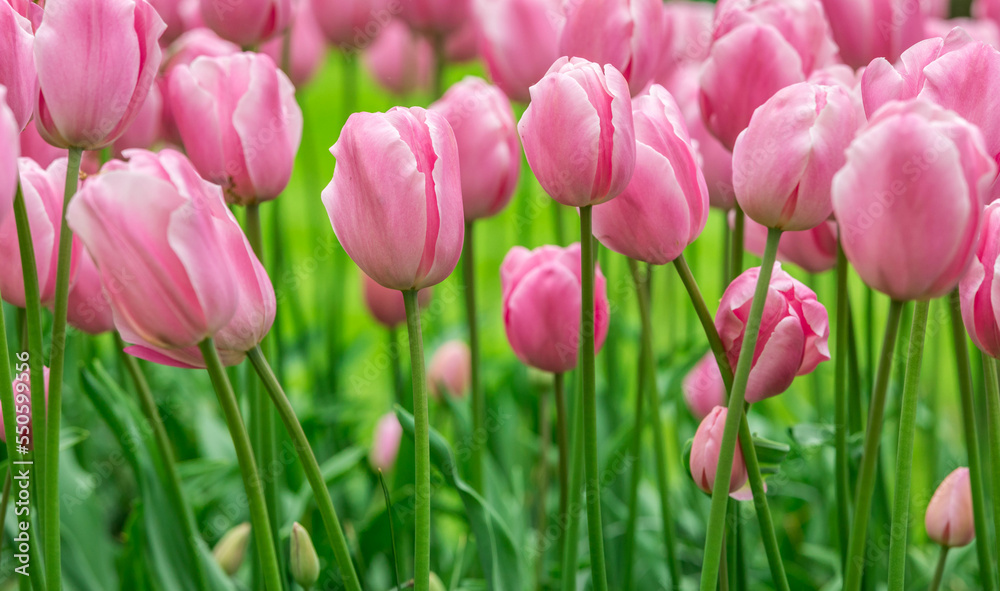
(400, 60)
(519, 40)
(450, 370)
(814, 250)
(541, 306)
(703, 387)
(353, 24)
(304, 563)
(385, 444)
(230, 551)
(10, 148)
(17, 69)
(705, 451)
(22, 405)
(949, 518)
(307, 46)
(868, 29)
(578, 133)
(395, 201)
(194, 44)
(909, 199)
(386, 305)
(980, 282)
(248, 22)
(435, 17)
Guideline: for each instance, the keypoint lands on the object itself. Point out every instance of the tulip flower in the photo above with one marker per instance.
(247, 22)
(194, 44)
(35, 147)
(869, 29)
(22, 405)
(307, 45)
(541, 306)
(386, 305)
(489, 153)
(578, 133)
(519, 40)
(793, 332)
(96, 62)
(304, 563)
(949, 519)
(784, 161)
(435, 17)
(385, 445)
(703, 387)
(814, 250)
(400, 60)
(147, 128)
(450, 370)
(908, 200)
(395, 200)
(231, 549)
(462, 44)
(705, 453)
(687, 37)
(172, 13)
(625, 34)
(17, 69)
(89, 309)
(10, 148)
(986, 9)
(665, 206)
(352, 24)
(979, 308)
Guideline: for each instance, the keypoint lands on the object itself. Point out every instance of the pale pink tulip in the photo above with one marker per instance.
(17, 68)
(35, 147)
(385, 443)
(519, 40)
(350, 25)
(147, 128)
(703, 387)
(949, 518)
(705, 451)
(247, 22)
(307, 45)
(980, 286)
(400, 60)
(450, 370)
(435, 17)
(868, 29)
(89, 309)
(10, 149)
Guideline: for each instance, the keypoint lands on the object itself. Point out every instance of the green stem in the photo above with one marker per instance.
(310, 466)
(993, 412)
(939, 570)
(545, 434)
(869, 459)
(562, 439)
(421, 439)
(572, 523)
(704, 316)
(736, 256)
(478, 400)
(842, 459)
(904, 449)
(4, 501)
(248, 466)
(720, 491)
(437, 84)
(591, 465)
(972, 443)
(636, 455)
(397, 370)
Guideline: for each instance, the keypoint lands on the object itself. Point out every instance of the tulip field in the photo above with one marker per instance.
(499, 295)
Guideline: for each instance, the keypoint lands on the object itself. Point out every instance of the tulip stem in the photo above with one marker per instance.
(248, 466)
(309, 465)
(636, 457)
(993, 415)
(397, 370)
(972, 443)
(572, 523)
(562, 440)
(478, 401)
(840, 409)
(595, 529)
(939, 570)
(421, 438)
(659, 439)
(736, 256)
(869, 459)
(904, 449)
(705, 317)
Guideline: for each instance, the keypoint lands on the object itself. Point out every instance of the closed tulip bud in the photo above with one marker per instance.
(307, 47)
(435, 17)
(814, 250)
(949, 518)
(541, 306)
(147, 128)
(193, 44)
(88, 101)
(10, 149)
(22, 406)
(705, 451)
(665, 206)
(450, 370)
(868, 29)
(89, 309)
(489, 154)
(395, 200)
(703, 387)
(33, 146)
(578, 133)
(248, 22)
(909, 199)
(385, 444)
(17, 69)
(980, 307)
(231, 549)
(519, 40)
(793, 331)
(353, 24)
(400, 60)
(783, 163)
(386, 305)
(304, 563)
(240, 123)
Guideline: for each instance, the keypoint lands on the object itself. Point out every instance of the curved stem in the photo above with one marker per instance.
(310, 466)
(904, 449)
(869, 458)
(993, 414)
(478, 401)
(562, 439)
(572, 524)
(248, 466)
(421, 439)
(840, 409)
(939, 570)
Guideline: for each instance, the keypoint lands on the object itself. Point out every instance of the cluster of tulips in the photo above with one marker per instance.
(137, 135)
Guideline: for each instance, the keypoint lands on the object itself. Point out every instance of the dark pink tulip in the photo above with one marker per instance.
(784, 161)
(519, 40)
(867, 29)
(385, 442)
(625, 34)
(90, 100)
(22, 405)
(10, 149)
(147, 128)
(909, 199)
(247, 22)
(814, 250)
(703, 387)
(353, 24)
(17, 68)
(665, 206)
(949, 519)
(386, 305)
(705, 451)
(35, 147)
(89, 309)
(400, 60)
(578, 133)
(395, 200)
(435, 17)
(980, 308)
(240, 123)
(308, 46)
(489, 153)
(687, 36)
(541, 306)
(194, 44)
(793, 331)
(450, 370)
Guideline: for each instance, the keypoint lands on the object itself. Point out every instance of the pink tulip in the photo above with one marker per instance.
(489, 153)
(846, 78)
(89, 309)
(89, 100)
(247, 22)
(625, 34)
(240, 123)
(982, 30)
(172, 14)
(519, 40)
(986, 10)
(450, 370)
(462, 44)
(705, 451)
(793, 331)
(35, 147)
(17, 68)
(400, 60)
(147, 128)
(353, 24)
(909, 199)
(43, 200)
(386, 305)
(867, 29)
(578, 133)
(541, 306)
(395, 200)
(308, 46)
(435, 17)
(980, 308)
(665, 206)
(949, 518)
(22, 408)
(936, 8)
(194, 44)
(687, 36)
(10, 149)
(784, 161)
(385, 444)
(703, 387)
(814, 250)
